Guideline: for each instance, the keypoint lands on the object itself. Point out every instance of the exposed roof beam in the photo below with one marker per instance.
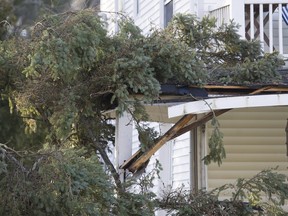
(260, 90)
(204, 106)
(199, 122)
(209, 116)
(139, 158)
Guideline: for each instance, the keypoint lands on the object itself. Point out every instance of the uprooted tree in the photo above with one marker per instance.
(60, 81)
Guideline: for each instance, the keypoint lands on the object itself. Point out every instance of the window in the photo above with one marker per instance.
(168, 11)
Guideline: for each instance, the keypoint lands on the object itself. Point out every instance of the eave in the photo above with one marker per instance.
(212, 104)
(251, 96)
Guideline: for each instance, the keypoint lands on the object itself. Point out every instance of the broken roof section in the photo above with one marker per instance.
(213, 99)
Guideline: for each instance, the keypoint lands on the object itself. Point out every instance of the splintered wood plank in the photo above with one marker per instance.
(166, 137)
(139, 158)
(199, 122)
(209, 116)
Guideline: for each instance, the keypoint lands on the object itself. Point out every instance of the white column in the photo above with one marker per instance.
(261, 20)
(280, 29)
(252, 31)
(165, 159)
(123, 141)
(271, 28)
(237, 13)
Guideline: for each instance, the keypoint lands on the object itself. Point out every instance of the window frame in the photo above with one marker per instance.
(166, 17)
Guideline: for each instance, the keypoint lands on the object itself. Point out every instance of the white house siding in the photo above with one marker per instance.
(108, 8)
(181, 161)
(205, 6)
(128, 7)
(150, 11)
(149, 15)
(254, 140)
(152, 162)
(182, 6)
(174, 158)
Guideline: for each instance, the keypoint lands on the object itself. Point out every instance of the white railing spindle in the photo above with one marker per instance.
(261, 21)
(252, 32)
(280, 29)
(270, 28)
(261, 25)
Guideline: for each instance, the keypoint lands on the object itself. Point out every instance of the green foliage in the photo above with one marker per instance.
(215, 144)
(140, 199)
(63, 182)
(263, 194)
(183, 202)
(6, 17)
(61, 81)
(225, 57)
(17, 133)
(146, 136)
(272, 184)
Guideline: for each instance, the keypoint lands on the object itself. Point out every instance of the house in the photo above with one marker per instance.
(252, 118)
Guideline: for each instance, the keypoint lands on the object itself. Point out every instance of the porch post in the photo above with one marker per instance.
(123, 142)
(237, 11)
(165, 158)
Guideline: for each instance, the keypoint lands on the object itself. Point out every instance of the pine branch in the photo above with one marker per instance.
(106, 159)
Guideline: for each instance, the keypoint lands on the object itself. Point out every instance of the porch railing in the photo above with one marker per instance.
(259, 20)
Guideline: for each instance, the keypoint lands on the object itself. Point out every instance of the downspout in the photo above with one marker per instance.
(204, 180)
(286, 130)
(194, 160)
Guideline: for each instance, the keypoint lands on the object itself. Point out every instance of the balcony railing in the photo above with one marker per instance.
(259, 20)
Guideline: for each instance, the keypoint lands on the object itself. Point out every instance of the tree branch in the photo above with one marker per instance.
(107, 161)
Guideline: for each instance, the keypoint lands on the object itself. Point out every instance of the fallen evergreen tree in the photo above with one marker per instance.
(61, 80)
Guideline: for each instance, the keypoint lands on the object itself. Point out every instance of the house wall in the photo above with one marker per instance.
(174, 158)
(181, 162)
(108, 8)
(151, 12)
(254, 140)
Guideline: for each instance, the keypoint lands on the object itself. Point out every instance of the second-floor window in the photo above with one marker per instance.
(168, 11)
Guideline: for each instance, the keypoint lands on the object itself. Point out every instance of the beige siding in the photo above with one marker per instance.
(254, 140)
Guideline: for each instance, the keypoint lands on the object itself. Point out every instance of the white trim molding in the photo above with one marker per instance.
(203, 106)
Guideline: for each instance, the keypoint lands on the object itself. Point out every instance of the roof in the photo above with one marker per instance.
(183, 102)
